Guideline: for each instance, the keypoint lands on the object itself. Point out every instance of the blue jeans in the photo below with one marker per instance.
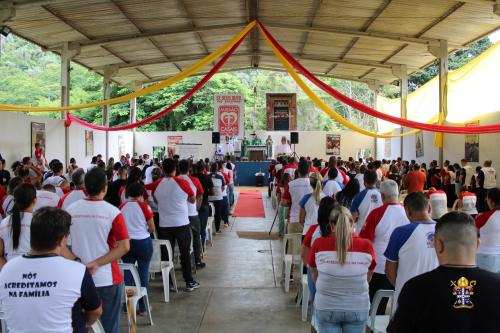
(141, 251)
(489, 262)
(111, 297)
(311, 284)
(341, 321)
(230, 194)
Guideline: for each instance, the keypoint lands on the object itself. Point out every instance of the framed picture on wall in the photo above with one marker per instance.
(419, 144)
(472, 144)
(89, 143)
(332, 144)
(38, 136)
(387, 148)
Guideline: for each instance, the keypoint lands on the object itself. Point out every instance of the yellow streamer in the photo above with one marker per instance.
(174, 79)
(322, 105)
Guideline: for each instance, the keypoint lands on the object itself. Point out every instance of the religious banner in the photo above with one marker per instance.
(387, 148)
(38, 136)
(333, 144)
(229, 115)
(89, 143)
(472, 144)
(419, 144)
(172, 141)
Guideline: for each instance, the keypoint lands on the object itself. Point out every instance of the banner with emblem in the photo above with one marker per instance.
(229, 114)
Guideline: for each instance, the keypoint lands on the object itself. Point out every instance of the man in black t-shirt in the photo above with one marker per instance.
(208, 189)
(457, 296)
(4, 174)
(113, 196)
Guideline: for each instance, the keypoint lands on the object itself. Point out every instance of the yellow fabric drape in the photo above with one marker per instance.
(322, 105)
(174, 79)
(472, 92)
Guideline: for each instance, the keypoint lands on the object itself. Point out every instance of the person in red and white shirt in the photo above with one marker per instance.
(291, 167)
(139, 219)
(321, 229)
(378, 228)
(438, 201)
(194, 220)
(488, 224)
(467, 202)
(294, 192)
(78, 179)
(341, 264)
(172, 195)
(46, 197)
(99, 237)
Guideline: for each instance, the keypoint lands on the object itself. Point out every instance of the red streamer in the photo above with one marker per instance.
(198, 86)
(368, 110)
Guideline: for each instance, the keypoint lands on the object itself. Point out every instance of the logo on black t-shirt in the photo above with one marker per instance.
(463, 290)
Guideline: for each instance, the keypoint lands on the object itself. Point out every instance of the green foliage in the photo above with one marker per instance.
(31, 77)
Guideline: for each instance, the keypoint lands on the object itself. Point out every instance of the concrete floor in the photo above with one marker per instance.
(240, 289)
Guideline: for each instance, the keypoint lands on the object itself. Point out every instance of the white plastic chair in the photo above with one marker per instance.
(292, 257)
(138, 291)
(455, 204)
(303, 293)
(97, 327)
(209, 230)
(165, 267)
(378, 323)
(2, 319)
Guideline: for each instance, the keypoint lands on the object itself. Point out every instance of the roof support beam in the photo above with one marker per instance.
(7, 11)
(310, 21)
(355, 33)
(153, 33)
(193, 26)
(253, 14)
(274, 69)
(194, 57)
(496, 8)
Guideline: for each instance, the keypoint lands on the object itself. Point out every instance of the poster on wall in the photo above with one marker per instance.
(387, 148)
(419, 144)
(229, 115)
(158, 152)
(472, 144)
(332, 144)
(38, 136)
(172, 141)
(121, 146)
(89, 143)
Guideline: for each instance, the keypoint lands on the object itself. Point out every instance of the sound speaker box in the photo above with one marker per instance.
(215, 137)
(294, 138)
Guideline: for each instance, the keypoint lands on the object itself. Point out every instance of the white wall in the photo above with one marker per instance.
(15, 139)
(454, 146)
(15, 136)
(311, 143)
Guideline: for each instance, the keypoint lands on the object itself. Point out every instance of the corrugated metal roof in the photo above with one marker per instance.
(353, 39)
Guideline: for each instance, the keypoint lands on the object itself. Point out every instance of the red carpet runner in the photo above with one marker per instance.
(249, 204)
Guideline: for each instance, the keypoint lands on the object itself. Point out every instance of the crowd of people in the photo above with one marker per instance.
(65, 229)
(394, 225)
(357, 236)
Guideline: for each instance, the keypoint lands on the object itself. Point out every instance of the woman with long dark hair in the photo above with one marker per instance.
(134, 176)
(345, 196)
(15, 229)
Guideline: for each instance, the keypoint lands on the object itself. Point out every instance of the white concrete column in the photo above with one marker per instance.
(440, 51)
(375, 88)
(109, 72)
(136, 85)
(67, 54)
(401, 72)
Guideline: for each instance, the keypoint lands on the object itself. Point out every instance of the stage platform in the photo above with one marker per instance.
(246, 172)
